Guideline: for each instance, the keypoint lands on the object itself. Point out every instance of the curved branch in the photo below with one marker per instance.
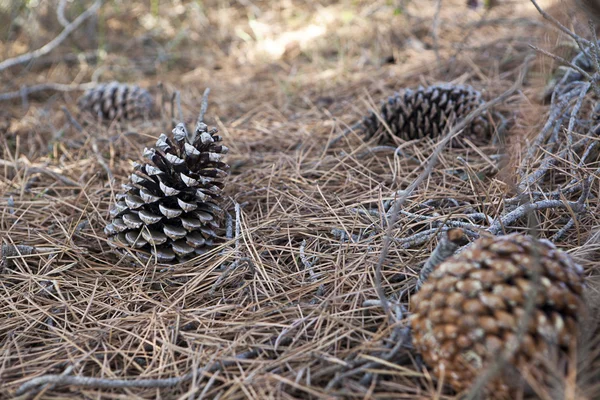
(51, 45)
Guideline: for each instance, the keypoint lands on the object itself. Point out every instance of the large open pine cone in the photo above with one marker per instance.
(414, 114)
(170, 208)
(472, 305)
(116, 100)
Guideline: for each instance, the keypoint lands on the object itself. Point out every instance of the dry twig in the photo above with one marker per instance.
(446, 247)
(107, 383)
(25, 91)
(48, 47)
(203, 107)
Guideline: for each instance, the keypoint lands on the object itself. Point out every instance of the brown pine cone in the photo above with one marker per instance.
(471, 307)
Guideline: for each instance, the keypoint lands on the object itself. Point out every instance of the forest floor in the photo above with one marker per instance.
(298, 316)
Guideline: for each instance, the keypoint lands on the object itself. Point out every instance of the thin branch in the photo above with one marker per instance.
(101, 383)
(229, 226)
(105, 383)
(60, 13)
(203, 107)
(586, 184)
(434, 220)
(425, 236)
(551, 127)
(399, 337)
(71, 119)
(596, 54)
(523, 210)
(57, 87)
(562, 61)
(346, 132)
(176, 99)
(238, 228)
(343, 237)
(228, 270)
(237, 250)
(48, 47)
(578, 39)
(574, 113)
(384, 148)
(546, 163)
(9, 250)
(562, 231)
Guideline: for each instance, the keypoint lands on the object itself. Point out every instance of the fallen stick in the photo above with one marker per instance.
(524, 209)
(107, 383)
(10, 250)
(57, 87)
(446, 247)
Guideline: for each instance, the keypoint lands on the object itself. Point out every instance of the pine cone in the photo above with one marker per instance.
(170, 207)
(472, 305)
(116, 100)
(414, 114)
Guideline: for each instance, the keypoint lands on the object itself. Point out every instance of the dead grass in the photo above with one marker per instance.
(284, 80)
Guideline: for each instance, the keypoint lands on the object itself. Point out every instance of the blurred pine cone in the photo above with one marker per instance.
(116, 100)
(472, 305)
(170, 208)
(414, 114)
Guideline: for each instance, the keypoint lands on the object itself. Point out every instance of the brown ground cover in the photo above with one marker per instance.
(297, 316)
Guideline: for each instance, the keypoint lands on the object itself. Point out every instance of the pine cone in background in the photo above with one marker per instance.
(472, 305)
(414, 114)
(170, 207)
(116, 100)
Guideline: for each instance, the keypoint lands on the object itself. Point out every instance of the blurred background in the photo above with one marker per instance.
(278, 70)
(288, 54)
